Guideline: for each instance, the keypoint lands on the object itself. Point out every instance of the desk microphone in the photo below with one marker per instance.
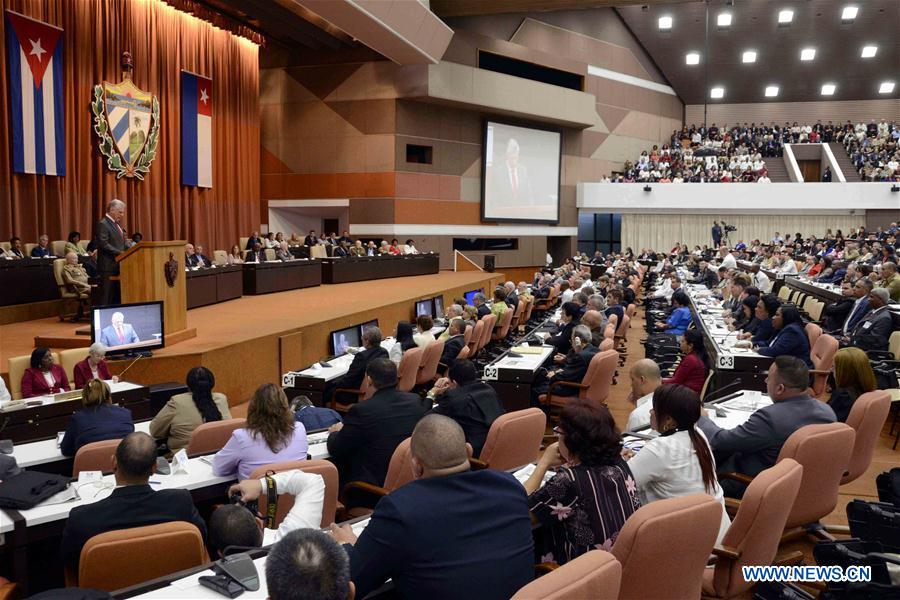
(733, 385)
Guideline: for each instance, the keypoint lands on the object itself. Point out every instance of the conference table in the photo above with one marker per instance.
(776, 278)
(348, 269)
(826, 292)
(42, 417)
(277, 276)
(27, 280)
(733, 366)
(214, 284)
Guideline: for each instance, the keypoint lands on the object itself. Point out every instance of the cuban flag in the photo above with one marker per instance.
(196, 130)
(37, 124)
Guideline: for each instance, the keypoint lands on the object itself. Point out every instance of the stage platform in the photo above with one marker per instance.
(254, 339)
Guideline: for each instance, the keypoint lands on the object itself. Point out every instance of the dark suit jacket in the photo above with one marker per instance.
(835, 314)
(708, 278)
(110, 244)
(841, 402)
(105, 422)
(873, 331)
(754, 446)
(372, 431)
(574, 370)
(452, 347)
(512, 299)
(310, 241)
(190, 260)
(443, 538)
(128, 506)
(790, 340)
(474, 406)
(854, 318)
(483, 310)
(39, 252)
(255, 256)
(339, 251)
(562, 341)
(353, 378)
(252, 241)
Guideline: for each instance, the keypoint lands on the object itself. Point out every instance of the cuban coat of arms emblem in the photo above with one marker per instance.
(126, 119)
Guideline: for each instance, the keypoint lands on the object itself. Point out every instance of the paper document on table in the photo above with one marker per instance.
(525, 472)
(527, 349)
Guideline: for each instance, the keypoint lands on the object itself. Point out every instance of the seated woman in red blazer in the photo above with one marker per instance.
(44, 377)
(92, 367)
(691, 371)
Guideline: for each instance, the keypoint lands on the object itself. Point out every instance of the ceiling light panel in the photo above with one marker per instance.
(692, 58)
(886, 87)
(749, 56)
(869, 51)
(717, 92)
(808, 54)
(849, 13)
(828, 89)
(771, 91)
(665, 23)
(785, 16)
(724, 19)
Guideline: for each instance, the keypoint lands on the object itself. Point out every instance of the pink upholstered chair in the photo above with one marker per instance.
(595, 575)
(475, 339)
(665, 545)
(212, 437)
(431, 356)
(755, 532)
(513, 440)
(822, 356)
(594, 386)
(399, 473)
(867, 418)
(96, 456)
(813, 332)
(505, 323)
(409, 368)
(489, 322)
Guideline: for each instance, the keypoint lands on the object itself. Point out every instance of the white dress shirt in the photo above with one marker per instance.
(667, 467)
(308, 490)
(761, 280)
(423, 338)
(729, 262)
(640, 416)
(4, 393)
(789, 267)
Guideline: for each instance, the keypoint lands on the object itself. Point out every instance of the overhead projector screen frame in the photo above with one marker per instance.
(486, 121)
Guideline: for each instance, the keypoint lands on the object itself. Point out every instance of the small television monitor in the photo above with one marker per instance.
(128, 328)
(470, 296)
(438, 306)
(424, 307)
(363, 326)
(344, 339)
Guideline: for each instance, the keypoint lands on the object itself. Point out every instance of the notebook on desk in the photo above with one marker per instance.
(527, 349)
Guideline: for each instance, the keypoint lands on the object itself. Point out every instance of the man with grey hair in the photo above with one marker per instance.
(575, 366)
(890, 280)
(353, 378)
(872, 333)
(76, 278)
(510, 183)
(480, 303)
(440, 535)
(111, 242)
(512, 298)
(455, 311)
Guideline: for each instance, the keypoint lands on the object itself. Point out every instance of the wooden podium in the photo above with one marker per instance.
(142, 278)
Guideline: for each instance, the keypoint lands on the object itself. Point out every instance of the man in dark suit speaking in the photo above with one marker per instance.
(511, 183)
(132, 504)
(110, 238)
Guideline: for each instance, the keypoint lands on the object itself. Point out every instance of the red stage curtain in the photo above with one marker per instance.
(162, 41)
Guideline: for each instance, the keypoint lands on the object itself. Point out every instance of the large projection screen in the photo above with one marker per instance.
(520, 175)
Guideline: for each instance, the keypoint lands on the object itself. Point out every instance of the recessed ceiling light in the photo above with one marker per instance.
(807, 54)
(785, 16)
(692, 58)
(771, 91)
(886, 87)
(828, 89)
(717, 92)
(849, 13)
(749, 56)
(665, 23)
(869, 51)
(724, 19)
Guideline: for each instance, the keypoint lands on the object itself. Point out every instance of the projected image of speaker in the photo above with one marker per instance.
(129, 328)
(520, 173)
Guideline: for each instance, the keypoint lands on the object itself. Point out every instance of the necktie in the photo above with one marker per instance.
(514, 180)
(121, 334)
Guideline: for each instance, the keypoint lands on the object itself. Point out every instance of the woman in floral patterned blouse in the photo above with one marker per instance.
(584, 505)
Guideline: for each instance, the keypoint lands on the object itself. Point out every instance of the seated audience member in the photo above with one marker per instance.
(345, 237)
(308, 490)
(283, 252)
(691, 371)
(15, 248)
(404, 341)
(789, 338)
(410, 248)
(357, 249)
(835, 313)
(92, 367)
(98, 420)
(353, 378)
(44, 376)
(5, 396)
(253, 240)
(470, 313)
(308, 564)
(256, 255)
(680, 318)
(481, 306)
(679, 462)
(72, 243)
(190, 256)
(136, 238)
(499, 305)
(42, 250)
(512, 297)
(372, 249)
(233, 528)
(860, 308)
(747, 321)
(75, 276)
(362, 445)
(596, 322)
(874, 331)
(454, 344)
(614, 305)
(441, 536)
(313, 417)
(184, 413)
(468, 400)
(394, 248)
(269, 242)
(575, 366)
(384, 249)
(524, 293)
(271, 436)
(203, 260)
(454, 311)
(234, 257)
(853, 377)
(133, 503)
(341, 249)
(890, 280)
(765, 310)
(753, 446)
(645, 378)
(569, 318)
(423, 336)
(592, 494)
